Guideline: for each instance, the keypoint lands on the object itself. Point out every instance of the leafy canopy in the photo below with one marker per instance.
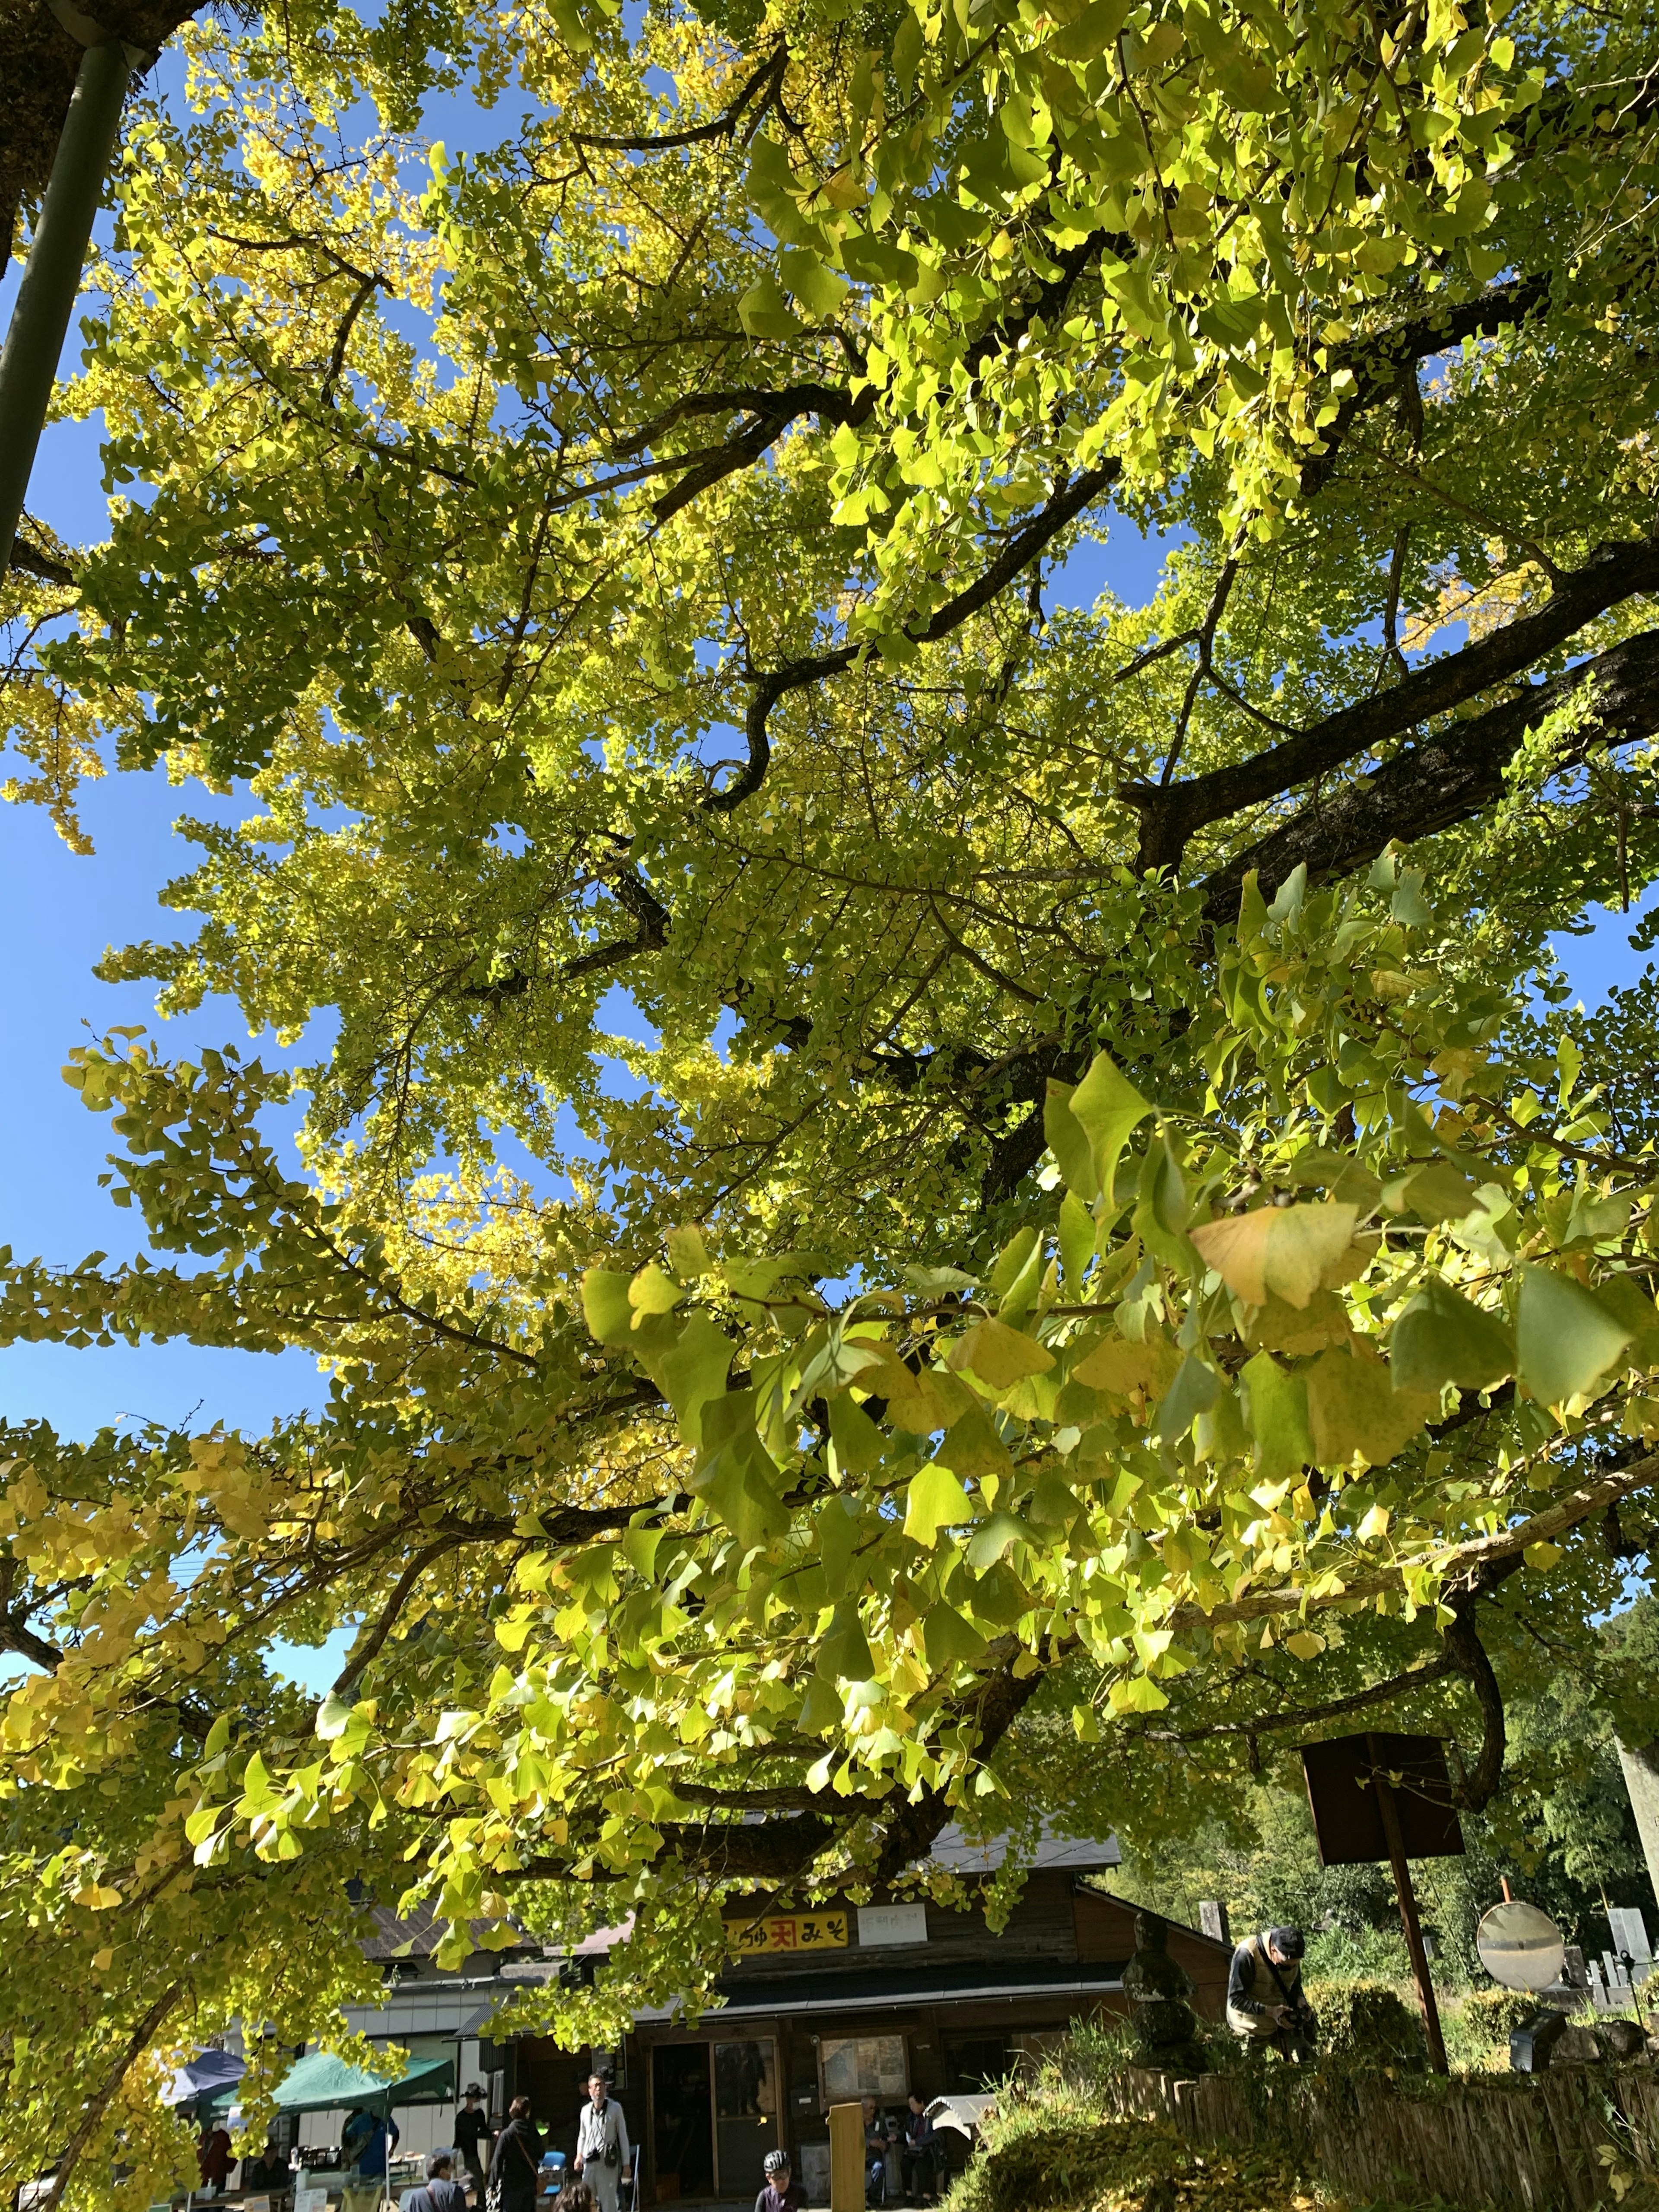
(1067, 1211)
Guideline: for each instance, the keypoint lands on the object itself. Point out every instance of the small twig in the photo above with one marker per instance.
(1206, 639)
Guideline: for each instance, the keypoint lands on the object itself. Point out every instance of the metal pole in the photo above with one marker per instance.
(52, 276)
(1404, 1892)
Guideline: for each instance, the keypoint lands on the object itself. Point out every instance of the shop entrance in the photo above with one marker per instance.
(714, 2116)
(682, 2145)
(746, 2112)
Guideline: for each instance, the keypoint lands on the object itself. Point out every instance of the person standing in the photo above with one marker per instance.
(378, 2145)
(515, 2162)
(603, 2159)
(472, 2137)
(1266, 2005)
(215, 2156)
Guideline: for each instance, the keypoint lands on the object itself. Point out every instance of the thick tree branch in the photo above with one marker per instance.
(1172, 814)
(769, 74)
(1466, 1652)
(97, 2103)
(365, 1653)
(1377, 361)
(16, 1637)
(1299, 1716)
(1430, 787)
(29, 561)
(1456, 1562)
(781, 404)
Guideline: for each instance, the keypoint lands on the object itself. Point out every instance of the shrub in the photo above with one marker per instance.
(1366, 2026)
(1356, 1954)
(1488, 2015)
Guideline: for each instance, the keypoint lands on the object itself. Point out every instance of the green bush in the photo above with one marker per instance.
(1365, 2025)
(1486, 2017)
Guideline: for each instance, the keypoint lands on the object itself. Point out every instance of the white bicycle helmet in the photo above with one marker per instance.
(775, 2161)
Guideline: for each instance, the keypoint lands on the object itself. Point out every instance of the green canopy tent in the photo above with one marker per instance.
(320, 2082)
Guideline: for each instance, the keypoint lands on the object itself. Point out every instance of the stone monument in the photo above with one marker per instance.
(1157, 1987)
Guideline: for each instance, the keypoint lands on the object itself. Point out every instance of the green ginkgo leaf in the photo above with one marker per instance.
(1441, 1337)
(765, 313)
(995, 1537)
(605, 1304)
(1109, 1109)
(936, 1500)
(951, 1640)
(1276, 1404)
(1566, 1338)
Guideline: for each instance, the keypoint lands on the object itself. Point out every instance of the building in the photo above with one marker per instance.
(820, 2007)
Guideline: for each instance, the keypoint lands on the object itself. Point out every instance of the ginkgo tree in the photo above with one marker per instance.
(1072, 1230)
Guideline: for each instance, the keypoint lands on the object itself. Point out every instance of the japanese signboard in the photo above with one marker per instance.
(788, 1931)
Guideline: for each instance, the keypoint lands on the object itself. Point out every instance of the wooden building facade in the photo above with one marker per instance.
(848, 2002)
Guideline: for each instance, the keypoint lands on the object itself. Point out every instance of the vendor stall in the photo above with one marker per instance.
(320, 2082)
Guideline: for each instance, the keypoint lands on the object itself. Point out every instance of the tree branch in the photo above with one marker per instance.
(1378, 361)
(361, 1658)
(1171, 815)
(30, 561)
(1458, 1561)
(1296, 1716)
(97, 2103)
(770, 72)
(1023, 547)
(1430, 787)
(1467, 1654)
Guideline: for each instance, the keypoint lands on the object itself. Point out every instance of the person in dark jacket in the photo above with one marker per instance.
(269, 2171)
(1265, 2000)
(919, 2152)
(779, 2192)
(515, 2162)
(472, 2138)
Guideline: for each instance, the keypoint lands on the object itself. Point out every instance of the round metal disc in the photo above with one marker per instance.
(1520, 1946)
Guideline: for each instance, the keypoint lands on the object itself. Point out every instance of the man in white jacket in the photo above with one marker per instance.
(602, 2157)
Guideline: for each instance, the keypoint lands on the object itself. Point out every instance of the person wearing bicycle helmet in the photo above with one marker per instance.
(781, 2192)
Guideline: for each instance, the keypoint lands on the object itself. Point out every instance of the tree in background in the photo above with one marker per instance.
(1561, 1828)
(1099, 1228)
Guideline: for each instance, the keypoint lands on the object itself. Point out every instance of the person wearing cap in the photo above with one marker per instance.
(471, 2136)
(779, 2193)
(1265, 1999)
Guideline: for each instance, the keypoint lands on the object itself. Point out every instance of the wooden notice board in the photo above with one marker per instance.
(1347, 1811)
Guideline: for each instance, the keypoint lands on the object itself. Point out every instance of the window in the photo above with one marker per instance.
(974, 2062)
(863, 2066)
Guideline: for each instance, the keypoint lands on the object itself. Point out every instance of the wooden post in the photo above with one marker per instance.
(847, 2157)
(1402, 1890)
